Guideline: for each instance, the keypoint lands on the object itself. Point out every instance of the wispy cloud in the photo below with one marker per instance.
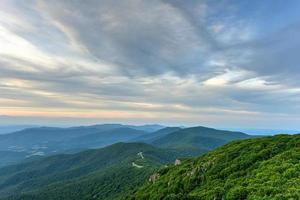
(210, 62)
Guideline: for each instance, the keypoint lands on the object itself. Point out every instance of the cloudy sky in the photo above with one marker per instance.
(226, 63)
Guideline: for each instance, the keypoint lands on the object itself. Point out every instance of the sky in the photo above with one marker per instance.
(221, 63)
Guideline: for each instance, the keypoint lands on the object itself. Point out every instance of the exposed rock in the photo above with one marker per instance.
(191, 173)
(154, 177)
(177, 162)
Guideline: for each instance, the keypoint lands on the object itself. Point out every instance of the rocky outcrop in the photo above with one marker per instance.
(177, 162)
(154, 177)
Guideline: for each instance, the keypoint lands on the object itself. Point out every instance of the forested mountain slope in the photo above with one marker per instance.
(149, 138)
(198, 137)
(261, 168)
(103, 173)
(44, 141)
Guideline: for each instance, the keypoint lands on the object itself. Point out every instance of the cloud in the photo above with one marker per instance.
(196, 61)
(141, 37)
(276, 56)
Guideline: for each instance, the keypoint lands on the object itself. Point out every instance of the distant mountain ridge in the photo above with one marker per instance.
(192, 141)
(42, 141)
(198, 137)
(13, 128)
(52, 140)
(156, 135)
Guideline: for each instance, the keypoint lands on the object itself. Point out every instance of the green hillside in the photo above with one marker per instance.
(255, 168)
(261, 168)
(198, 137)
(193, 141)
(149, 138)
(102, 174)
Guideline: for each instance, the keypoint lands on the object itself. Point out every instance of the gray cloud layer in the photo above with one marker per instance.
(198, 61)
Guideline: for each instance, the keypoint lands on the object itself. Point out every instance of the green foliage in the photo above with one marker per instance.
(198, 137)
(262, 168)
(156, 135)
(95, 174)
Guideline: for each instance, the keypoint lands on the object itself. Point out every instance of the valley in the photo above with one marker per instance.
(113, 161)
